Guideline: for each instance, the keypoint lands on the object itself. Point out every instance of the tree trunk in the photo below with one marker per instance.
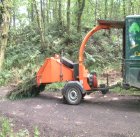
(4, 30)
(132, 7)
(116, 9)
(41, 11)
(95, 12)
(68, 17)
(13, 17)
(111, 8)
(55, 15)
(47, 11)
(81, 5)
(60, 12)
(124, 12)
(44, 15)
(105, 10)
(42, 37)
(32, 12)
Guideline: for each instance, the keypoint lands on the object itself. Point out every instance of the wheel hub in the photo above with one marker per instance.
(73, 94)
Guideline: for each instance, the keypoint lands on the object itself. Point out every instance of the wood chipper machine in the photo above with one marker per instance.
(79, 81)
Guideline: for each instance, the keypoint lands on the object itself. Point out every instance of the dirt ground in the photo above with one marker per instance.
(97, 115)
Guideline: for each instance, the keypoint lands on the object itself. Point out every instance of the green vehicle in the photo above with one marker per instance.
(131, 48)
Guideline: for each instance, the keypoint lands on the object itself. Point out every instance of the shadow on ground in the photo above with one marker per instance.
(123, 103)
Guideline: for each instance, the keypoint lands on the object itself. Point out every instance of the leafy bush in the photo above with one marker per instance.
(55, 86)
(23, 55)
(6, 130)
(5, 77)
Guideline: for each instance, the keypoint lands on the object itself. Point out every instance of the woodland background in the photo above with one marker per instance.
(31, 30)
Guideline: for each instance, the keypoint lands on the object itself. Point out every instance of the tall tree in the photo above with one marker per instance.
(30, 10)
(14, 14)
(55, 9)
(47, 10)
(60, 12)
(95, 11)
(124, 10)
(131, 6)
(81, 5)
(42, 10)
(105, 10)
(111, 8)
(68, 17)
(42, 37)
(4, 27)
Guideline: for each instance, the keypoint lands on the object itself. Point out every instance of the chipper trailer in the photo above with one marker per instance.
(79, 81)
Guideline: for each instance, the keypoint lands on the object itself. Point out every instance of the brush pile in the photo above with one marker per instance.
(26, 89)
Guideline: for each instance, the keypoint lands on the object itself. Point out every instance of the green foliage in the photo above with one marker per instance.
(6, 77)
(54, 86)
(122, 91)
(7, 130)
(1, 11)
(36, 132)
(25, 89)
(103, 51)
(56, 29)
(23, 55)
(23, 133)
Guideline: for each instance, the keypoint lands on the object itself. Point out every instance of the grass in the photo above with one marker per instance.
(118, 89)
(122, 91)
(55, 86)
(7, 130)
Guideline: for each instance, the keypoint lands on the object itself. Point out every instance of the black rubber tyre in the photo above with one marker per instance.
(83, 95)
(105, 90)
(42, 87)
(36, 90)
(72, 95)
(126, 86)
(64, 100)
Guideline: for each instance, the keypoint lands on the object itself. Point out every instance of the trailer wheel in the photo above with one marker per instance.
(64, 100)
(83, 95)
(72, 95)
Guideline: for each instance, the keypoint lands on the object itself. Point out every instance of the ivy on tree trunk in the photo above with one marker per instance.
(4, 29)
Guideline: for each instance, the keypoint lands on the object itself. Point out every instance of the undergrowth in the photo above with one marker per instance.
(122, 91)
(7, 130)
(23, 55)
(54, 86)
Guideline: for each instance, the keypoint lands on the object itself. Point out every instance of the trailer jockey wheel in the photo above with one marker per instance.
(126, 86)
(104, 90)
(72, 95)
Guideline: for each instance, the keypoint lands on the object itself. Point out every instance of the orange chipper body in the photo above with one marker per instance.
(54, 71)
(57, 69)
